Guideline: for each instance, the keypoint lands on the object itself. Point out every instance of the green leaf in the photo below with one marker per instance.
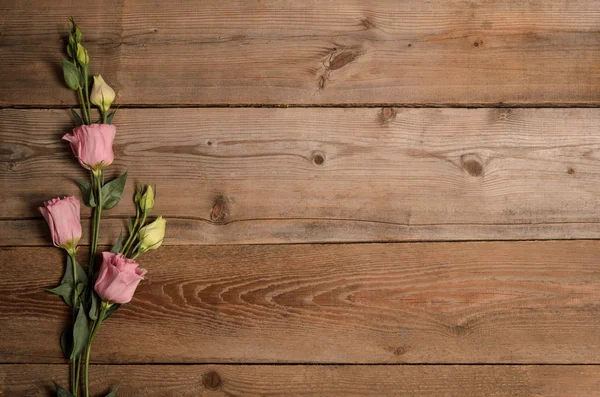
(93, 313)
(86, 192)
(113, 393)
(111, 310)
(80, 332)
(118, 245)
(66, 341)
(111, 116)
(68, 276)
(65, 290)
(78, 120)
(71, 74)
(61, 392)
(112, 191)
(130, 225)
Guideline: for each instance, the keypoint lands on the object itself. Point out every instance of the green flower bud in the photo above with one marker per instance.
(146, 202)
(152, 235)
(82, 55)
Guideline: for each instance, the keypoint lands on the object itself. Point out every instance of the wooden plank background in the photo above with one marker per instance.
(276, 128)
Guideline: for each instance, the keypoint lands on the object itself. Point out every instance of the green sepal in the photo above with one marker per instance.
(111, 116)
(86, 192)
(118, 244)
(61, 392)
(114, 392)
(111, 310)
(72, 75)
(112, 191)
(66, 341)
(78, 120)
(80, 332)
(64, 290)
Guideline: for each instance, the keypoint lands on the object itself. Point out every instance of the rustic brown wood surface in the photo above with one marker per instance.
(313, 381)
(313, 175)
(270, 123)
(309, 52)
(485, 302)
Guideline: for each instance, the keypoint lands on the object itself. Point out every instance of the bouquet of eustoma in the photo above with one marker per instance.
(95, 292)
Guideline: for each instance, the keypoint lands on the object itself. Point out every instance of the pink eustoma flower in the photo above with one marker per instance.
(93, 145)
(118, 278)
(63, 220)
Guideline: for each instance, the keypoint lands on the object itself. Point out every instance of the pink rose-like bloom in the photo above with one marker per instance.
(118, 278)
(63, 219)
(93, 145)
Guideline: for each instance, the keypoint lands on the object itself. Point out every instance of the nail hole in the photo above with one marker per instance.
(571, 171)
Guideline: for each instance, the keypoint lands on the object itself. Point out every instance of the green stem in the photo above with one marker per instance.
(95, 328)
(131, 235)
(135, 232)
(74, 379)
(95, 220)
(104, 117)
(86, 117)
(73, 384)
(87, 92)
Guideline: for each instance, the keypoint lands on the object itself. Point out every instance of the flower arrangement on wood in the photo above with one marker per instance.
(95, 293)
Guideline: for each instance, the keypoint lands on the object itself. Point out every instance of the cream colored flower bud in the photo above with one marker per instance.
(102, 95)
(82, 55)
(151, 236)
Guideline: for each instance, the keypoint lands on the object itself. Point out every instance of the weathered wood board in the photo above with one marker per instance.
(323, 175)
(486, 302)
(477, 52)
(312, 381)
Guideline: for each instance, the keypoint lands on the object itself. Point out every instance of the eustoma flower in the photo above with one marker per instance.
(151, 236)
(63, 220)
(102, 94)
(93, 145)
(118, 278)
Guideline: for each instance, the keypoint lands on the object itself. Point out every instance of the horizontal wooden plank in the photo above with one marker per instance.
(313, 381)
(290, 52)
(297, 175)
(485, 302)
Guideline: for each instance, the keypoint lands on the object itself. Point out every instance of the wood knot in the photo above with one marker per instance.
(401, 350)
(220, 210)
(477, 43)
(570, 171)
(318, 158)
(387, 115)
(211, 380)
(472, 164)
(341, 59)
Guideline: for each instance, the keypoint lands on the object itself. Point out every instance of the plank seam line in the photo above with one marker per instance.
(338, 105)
(321, 364)
(348, 242)
(199, 219)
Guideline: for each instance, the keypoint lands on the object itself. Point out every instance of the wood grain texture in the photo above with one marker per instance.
(311, 52)
(313, 381)
(313, 175)
(496, 302)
